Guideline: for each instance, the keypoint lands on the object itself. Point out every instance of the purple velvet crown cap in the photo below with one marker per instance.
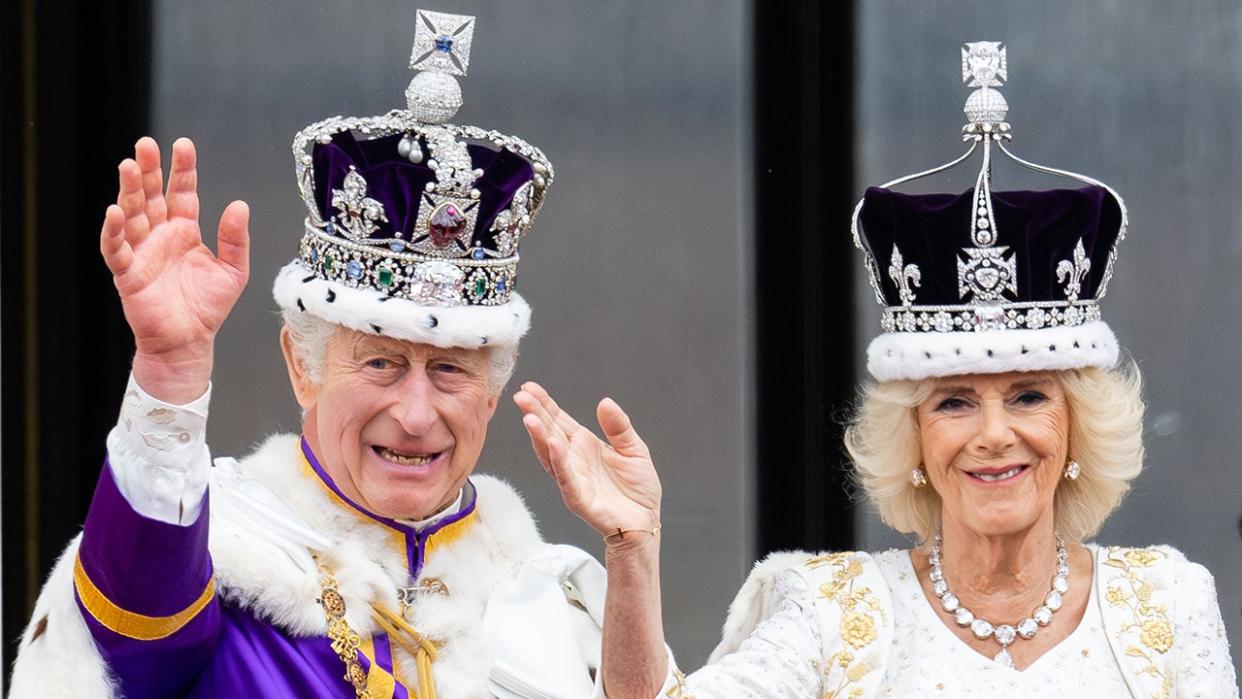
(1042, 228)
(398, 184)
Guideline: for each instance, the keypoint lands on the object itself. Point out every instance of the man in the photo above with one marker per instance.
(361, 559)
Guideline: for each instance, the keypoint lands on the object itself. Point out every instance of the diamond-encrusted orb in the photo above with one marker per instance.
(950, 602)
(433, 98)
(446, 224)
(981, 628)
(963, 616)
(1042, 615)
(1005, 634)
(1027, 628)
(985, 106)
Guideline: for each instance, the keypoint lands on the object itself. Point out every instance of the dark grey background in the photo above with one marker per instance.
(635, 270)
(1144, 96)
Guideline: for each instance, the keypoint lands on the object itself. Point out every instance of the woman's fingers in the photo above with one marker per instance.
(182, 197)
(147, 155)
(132, 200)
(117, 253)
(233, 238)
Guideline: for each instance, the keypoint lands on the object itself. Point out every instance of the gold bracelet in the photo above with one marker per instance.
(622, 532)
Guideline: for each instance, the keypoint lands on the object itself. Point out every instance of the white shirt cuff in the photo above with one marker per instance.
(159, 457)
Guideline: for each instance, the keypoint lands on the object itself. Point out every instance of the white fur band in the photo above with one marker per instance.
(920, 355)
(371, 312)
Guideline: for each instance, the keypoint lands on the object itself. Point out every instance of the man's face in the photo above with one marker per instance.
(397, 425)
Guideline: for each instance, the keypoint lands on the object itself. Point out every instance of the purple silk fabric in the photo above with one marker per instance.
(159, 569)
(1040, 228)
(398, 184)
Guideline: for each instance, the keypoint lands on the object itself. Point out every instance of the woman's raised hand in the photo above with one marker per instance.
(174, 291)
(610, 484)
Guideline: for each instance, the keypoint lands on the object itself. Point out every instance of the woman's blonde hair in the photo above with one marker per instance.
(1105, 437)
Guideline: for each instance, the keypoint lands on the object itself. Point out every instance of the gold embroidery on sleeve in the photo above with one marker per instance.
(861, 615)
(1149, 624)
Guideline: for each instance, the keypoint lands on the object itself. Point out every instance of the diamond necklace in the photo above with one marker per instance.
(1004, 634)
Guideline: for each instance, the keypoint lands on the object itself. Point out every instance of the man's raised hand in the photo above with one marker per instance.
(174, 291)
(609, 484)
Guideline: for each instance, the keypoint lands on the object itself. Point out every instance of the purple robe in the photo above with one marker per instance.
(147, 593)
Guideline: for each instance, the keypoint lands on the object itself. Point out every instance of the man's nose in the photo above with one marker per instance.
(414, 404)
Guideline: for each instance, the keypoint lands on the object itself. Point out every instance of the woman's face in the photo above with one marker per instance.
(995, 447)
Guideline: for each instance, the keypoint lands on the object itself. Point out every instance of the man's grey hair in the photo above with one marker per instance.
(310, 335)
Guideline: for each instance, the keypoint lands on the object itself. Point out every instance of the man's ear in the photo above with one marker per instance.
(304, 388)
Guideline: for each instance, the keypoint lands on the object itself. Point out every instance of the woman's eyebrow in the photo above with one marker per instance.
(1029, 383)
(952, 389)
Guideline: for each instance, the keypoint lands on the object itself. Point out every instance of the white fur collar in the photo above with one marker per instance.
(253, 574)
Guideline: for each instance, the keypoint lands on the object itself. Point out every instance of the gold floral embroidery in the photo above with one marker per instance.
(858, 626)
(1128, 590)
(858, 629)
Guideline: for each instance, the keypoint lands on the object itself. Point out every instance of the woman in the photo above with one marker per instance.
(1001, 432)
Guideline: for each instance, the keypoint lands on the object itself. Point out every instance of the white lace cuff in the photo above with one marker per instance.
(159, 457)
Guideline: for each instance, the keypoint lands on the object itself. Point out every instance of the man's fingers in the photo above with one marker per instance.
(538, 439)
(530, 403)
(233, 238)
(563, 419)
(147, 154)
(132, 201)
(182, 197)
(117, 253)
(618, 429)
(568, 481)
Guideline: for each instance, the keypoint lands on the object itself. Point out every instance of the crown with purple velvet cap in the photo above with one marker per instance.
(983, 281)
(414, 224)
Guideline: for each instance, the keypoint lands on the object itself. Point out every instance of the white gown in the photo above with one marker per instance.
(858, 625)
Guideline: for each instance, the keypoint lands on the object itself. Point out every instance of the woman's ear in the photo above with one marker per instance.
(304, 388)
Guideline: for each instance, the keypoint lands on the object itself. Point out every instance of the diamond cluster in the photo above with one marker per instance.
(1010, 316)
(428, 282)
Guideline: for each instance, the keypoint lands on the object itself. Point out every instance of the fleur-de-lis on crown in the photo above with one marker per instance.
(903, 275)
(1074, 271)
(359, 212)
